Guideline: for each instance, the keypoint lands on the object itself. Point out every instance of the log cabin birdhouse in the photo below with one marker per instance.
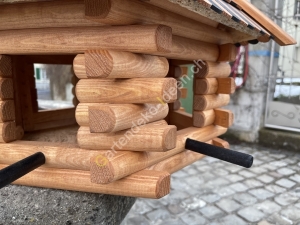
(127, 58)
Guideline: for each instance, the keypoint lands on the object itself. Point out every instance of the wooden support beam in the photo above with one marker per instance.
(180, 119)
(127, 12)
(144, 184)
(5, 66)
(116, 117)
(78, 40)
(209, 86)
(156, 138)
(136, 161)
(135, 90)
(207, 69)
(228, 53)
(219, 117)
(116, 64)
(6, 89)
(7, 111)
(206, 102)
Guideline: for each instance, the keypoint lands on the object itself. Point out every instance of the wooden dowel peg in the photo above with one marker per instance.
(5, 66)
(20, 168)
(116, 64)
(228, 53)
(79, 66)
(226, 85)
(224, 117)
(116, 117)
(135, 90)
(208, 86)
(205, 69)
(157, 138)
(7, 132)
(144, 184)
(227, 155)
(136, 161)
(220, 143)
(206, 102)
(82, 112)
(6, 89)
(219, 117)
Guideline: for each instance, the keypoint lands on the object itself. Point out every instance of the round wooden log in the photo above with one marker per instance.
(208, 69)
(7, 132)
(116, 117)
(203, 118)
(6, 89)
(135, 90)
(209, 86)
(79, 66)
(206, 102)
(7, 111)
(5, 66)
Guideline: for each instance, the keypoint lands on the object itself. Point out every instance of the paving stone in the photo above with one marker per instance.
(239, 187)
(286, 171)
(278, 163)
(234, 178)
(228, 205)
(252, 183)
(285, 183)
(208, 176)
(194, 180)
(268, 167)
(210, 160)
(161, 213)
(176, 209)
(265, 178)
(178, 184)
(280, 220)
(295, 192)
(275, 174)
(211, 212)
(224, 191)
(266, 158)
(264, 223)
(275, 189)
(219, 164)
(232, 168)
(220, 172)
(171, 222)
(261, 193)
(193, 203)
(179, 174)
(298, 205)
(210, 198)
(193, 218)
(251, 214)
(199, 163)
(191, 171)
(229, 220)
(257, 162)
(137, 220)
(174, 197)
(278, 156)
(203, 168)
(286, 199)
(292, 213)
(295, 177)
(246, 174)
(258, 170)
(268, 207)
(245, 199)
(290, 160)
(141, 207)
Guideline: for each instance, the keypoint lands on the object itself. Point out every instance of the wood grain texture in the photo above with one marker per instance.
(180, 119)
(136, 161)
(156, 138)
(144, 184)
(228, 53)
(5, 66)
(280, 36)
(203, 118)
(82, 113)
(6, 89)
(224, 117)
(209, 86)
(116, 117)
(116, 64)
(212, 70)
(206, 102)
(126, 12)
(220, 143)
(7, 132)
(135, 90)
(78, 40)
(7, 111)
(79, 66)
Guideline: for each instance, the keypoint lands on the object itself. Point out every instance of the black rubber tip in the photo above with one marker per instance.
(227, 155)
(253, 42)
(21, 168)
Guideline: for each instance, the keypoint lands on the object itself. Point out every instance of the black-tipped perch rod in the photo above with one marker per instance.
(227, 155)
(21, 168)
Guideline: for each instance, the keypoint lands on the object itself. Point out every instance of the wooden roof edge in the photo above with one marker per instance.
(280, 36)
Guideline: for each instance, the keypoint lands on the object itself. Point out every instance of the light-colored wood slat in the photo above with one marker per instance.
(209, 86)
(155, 138)
(144, 184)
(113, 169)
(280, 36)
(126, 12)
(219, 117)
(116, 117)
(5, 66)
(79, 39)
(212, 70)
(206, 102)
(6, 89)
(135, 90)
(180, 119)
(7, 111)
(116, 64)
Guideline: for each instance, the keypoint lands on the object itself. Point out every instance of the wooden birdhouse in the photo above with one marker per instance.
(128, 58)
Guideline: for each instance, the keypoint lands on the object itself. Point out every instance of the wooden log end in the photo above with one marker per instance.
(101, 170)
(99, 63)
(224, 118)
(79, 66)
(8, 132)
(169, 138)
(228, 53)
(5, 66)
(96, 8)
(201, 69)
(169, 90)
(19, 132)
(200, 102)
(6, 89)
(163, 185)
(101, 119)
(203, 118)
(226, 85)
(164, 38)
(7, 111)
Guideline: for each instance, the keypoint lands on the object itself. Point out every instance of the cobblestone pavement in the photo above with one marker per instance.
(215, 192)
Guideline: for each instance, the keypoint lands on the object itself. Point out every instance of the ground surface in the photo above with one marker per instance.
(214, 192)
